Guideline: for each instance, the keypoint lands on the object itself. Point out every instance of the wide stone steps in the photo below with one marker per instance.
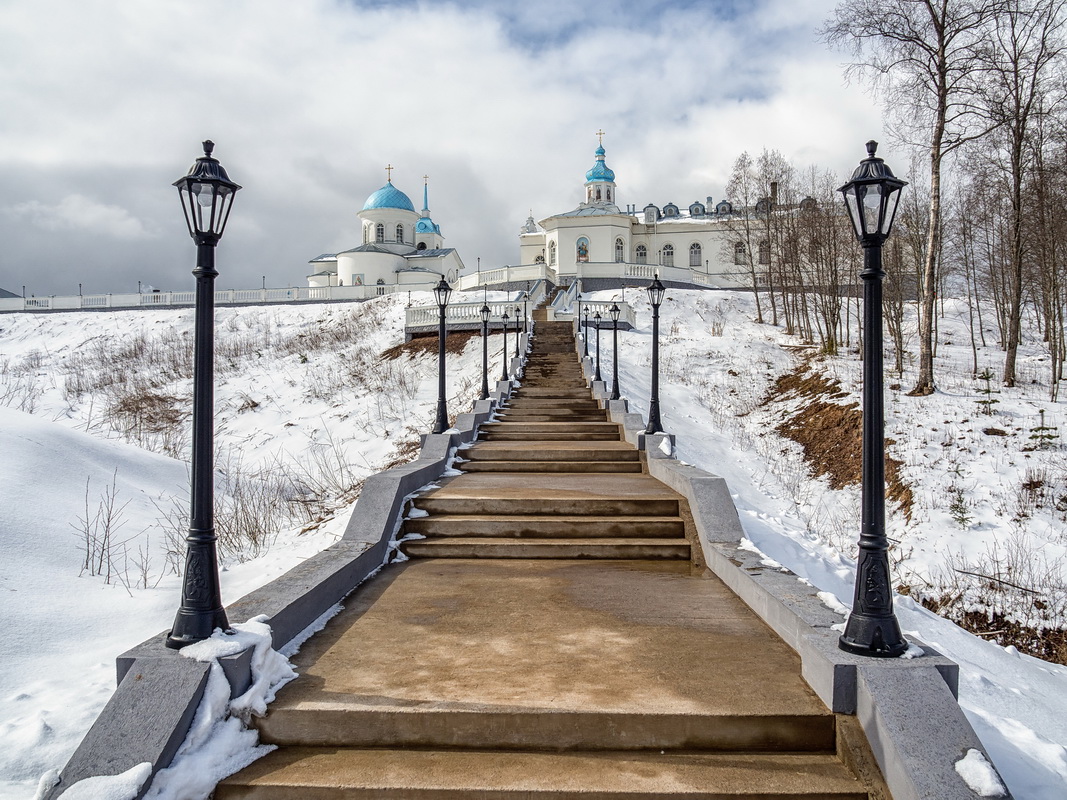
(554, 467)
(570, 548)
(505, 503)
(354, 774)
(556, 451)
(546, 526)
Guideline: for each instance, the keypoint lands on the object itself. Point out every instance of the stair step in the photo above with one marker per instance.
(500, 547)
(546, 526)
(350, 773)
(576, 467)
(516, 436)
(540, 505)
(552, 451)
(597, 426)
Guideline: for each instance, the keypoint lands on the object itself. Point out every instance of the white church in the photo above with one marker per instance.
(596, 244)
(401, 247)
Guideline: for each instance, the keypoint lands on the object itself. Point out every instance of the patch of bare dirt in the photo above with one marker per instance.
(831, 432)
(455, 343)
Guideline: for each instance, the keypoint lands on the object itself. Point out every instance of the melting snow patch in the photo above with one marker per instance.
(829, 599)
(913, 651)
(415, 513)
(124, 786)
(665, 446)
(979, 774)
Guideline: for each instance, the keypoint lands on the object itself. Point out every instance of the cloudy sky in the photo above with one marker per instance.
(104, 103)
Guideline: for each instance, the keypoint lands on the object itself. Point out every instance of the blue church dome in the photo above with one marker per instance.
(388, 197)
(600, 170)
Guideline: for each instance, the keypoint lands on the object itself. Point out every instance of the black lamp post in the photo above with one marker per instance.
(585, 335)
(578, 297)
(441, 292)
(517, 312)
(485, 351)
(872, 630)
(656, 291)
(614, 312)
(525, 299)
(504, 377)
(206, 195)
(596, 321)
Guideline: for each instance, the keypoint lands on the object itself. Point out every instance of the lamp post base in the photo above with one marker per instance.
(879, 637)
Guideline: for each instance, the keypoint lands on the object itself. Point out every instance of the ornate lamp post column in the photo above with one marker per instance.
(871, 198)
(517, 312)
(656, 291)
(578, 297)
(596, 322)
(206, 195)
(485, 312)
(585, 334)
(505, 318)
(525, 299)
(442, 291)
(614, 312)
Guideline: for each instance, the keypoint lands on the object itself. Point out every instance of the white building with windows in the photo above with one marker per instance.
(599, 240)
(401, 248)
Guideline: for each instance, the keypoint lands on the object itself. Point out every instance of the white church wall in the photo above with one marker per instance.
(371, 266)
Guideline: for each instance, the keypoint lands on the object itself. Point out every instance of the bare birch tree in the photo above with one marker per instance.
(922, 57)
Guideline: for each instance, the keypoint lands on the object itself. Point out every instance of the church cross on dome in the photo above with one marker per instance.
(600, 137)
(389, 172)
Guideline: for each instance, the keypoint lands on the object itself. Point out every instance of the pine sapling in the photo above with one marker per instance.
(987, 403)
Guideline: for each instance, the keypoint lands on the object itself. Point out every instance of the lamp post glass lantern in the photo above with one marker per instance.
(441, 292)
(614, 311)
(656, 290)
(871, 198)
(485, 312)
(596, 322)
(206, 195)
(505, 318)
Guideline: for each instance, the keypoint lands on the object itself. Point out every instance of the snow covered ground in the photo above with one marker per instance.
(304, 402)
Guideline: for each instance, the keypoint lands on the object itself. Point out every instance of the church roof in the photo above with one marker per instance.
(369, 248)
(6, 293)
(427, 225)
(388, 197)
(439, 252)
(601, 210)
(324, 257)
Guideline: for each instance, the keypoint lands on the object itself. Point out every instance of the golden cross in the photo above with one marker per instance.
(600, 137)
(389, 172)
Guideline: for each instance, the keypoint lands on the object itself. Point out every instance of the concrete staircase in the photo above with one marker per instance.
(548, 639)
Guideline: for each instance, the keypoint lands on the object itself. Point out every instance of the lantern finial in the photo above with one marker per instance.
(872, 146)
(209, 146)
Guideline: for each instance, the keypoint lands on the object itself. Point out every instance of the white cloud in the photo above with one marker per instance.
(309, 101)
(76, 212)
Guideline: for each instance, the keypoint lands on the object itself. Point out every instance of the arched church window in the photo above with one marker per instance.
(540, 259)
(668, 255)
(366, 233)
(582, 247)
(651, 214)
(739, 253)
(609, 194)
(641, 255)
(400, 234)
(764, 252)
(551, 254)
(381, 287)
(598, 193)
(696, 210)
(670, 210)
(724, 208)
(422, 246)
(619, 257)
(695, 254)
(379, 232)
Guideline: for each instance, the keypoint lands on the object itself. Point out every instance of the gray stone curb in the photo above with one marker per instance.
(158, 691)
